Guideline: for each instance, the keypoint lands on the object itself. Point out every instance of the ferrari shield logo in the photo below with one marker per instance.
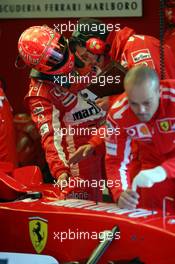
(164, 125)
(38, 231)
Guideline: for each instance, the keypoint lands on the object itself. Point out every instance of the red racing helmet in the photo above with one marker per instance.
(45, 50)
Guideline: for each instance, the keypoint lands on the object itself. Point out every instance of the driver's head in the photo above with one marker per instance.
(45, 50)
(88, 42)
(141, 84)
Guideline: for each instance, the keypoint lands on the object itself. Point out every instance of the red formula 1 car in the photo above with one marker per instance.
(36, 219)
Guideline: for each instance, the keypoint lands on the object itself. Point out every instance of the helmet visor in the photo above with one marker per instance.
(56, 52)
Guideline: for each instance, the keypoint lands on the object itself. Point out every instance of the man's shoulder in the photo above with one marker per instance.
(169, 83)
(167, 88)
(38, 88)
(43, 89)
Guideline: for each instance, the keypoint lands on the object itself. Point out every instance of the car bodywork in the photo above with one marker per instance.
(39, 220)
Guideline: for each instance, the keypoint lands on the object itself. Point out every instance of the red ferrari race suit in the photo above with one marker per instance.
(156, 140)
(8, 154)
(131, 49)
(65, 121)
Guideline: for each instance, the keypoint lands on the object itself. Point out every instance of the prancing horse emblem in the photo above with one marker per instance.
(38, 230)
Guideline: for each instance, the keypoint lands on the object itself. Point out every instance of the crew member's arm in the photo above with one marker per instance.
(118, 158)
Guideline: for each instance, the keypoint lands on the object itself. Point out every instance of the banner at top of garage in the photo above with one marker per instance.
(69, 8)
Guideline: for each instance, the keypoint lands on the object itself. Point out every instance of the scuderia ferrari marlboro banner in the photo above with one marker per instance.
(69, 8)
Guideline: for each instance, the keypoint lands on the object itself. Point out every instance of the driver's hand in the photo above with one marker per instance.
(81, 153)
(103, 103)
(62, 181)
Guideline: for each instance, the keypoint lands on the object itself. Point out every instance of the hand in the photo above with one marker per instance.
(81, 153)
(147, 178)
(128, 199)
(62, 181)
(103, 103)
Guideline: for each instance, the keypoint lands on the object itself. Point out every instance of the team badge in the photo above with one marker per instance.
(140, 55)
(38, 108)
(164, 125)
(143, 131)
(38, 231)
(131, 132)
(139, 131)
(44, 129)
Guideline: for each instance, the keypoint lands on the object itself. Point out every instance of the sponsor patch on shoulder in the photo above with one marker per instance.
(140, 55)
(38, 108)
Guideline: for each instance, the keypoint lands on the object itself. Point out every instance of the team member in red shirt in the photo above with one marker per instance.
(145, 113)
(122, 45)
